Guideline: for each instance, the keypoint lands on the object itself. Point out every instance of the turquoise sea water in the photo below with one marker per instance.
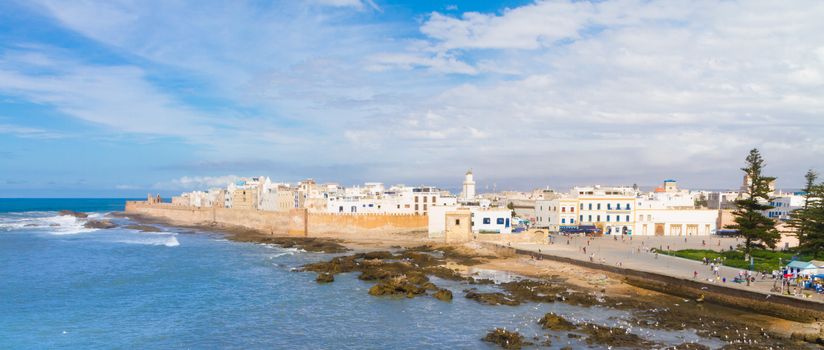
(66, 287)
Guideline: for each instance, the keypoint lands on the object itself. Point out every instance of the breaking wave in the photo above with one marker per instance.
(44, 221)
(169, 241)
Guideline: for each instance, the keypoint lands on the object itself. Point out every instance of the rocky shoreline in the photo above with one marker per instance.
(404, 272)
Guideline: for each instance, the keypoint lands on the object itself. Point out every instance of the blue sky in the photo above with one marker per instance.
(120, 98)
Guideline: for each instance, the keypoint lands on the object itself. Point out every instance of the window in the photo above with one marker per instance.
(433, 199)
(582, 206)
(640, 218)
(416, 206)
(563, 221)
(425, 199)
(571, 209)
(563, 209)
(582, 218)
(607, 218)
(618, 206)
(457, 222)
(571, 221)
(424, 207)
(598, 218)
(507, 222)
(589, 218)
(487, 221)
(609, 206)
(627, 218)
(628, 206)
(590, 206)
(500, 221)
(599, 206)
(618, 218)
(416, 199)
(649, 217)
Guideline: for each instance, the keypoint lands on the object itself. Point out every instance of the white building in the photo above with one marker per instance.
(484, 220)
(784, 204)
(675, 222)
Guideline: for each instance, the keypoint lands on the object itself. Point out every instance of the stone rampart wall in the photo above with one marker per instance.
(295, 222)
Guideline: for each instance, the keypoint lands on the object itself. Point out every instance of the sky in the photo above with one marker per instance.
(121, 98)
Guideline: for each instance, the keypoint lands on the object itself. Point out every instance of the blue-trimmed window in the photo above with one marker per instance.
(563, 221)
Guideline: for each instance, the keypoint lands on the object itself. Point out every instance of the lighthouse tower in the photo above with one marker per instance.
(468, 187)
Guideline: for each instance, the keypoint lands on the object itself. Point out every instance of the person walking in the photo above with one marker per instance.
(694, 274)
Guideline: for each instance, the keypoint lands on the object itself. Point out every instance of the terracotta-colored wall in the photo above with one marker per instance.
(272, 222)
(295, 222)
(365, 225)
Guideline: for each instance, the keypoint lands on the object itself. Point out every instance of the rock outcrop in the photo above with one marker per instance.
(554, 322)
(505, 339)
(99, 224)
(443, 295)
(324, 277)
(76, 214)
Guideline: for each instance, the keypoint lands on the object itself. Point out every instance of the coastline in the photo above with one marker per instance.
(588, 280)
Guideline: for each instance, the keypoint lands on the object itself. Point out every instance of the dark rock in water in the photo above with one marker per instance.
(573, 336)
(566, 348)
(76, 214)
(396, 287)
(688, 346)
(481, 281)
(309, 244)
(54, 225)
(144, 228)
(615, 337)
(505, 339)
(378, 255)
(324, 277)
(29, 225)
(492, 298)
(443, 295)
(556, 323)
(101, 224)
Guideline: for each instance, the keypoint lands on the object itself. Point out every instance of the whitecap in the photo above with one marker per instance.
(169, 241)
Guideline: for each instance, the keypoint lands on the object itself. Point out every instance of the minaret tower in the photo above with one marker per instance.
(468, 186)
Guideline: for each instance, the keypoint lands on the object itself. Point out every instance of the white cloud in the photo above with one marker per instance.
(197, 182)
(358, 4)
(28, 132)
(629, 90)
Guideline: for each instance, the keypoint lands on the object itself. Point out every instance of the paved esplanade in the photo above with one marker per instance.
(634, 254)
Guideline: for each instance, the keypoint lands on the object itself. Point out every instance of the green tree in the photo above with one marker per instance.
(799, 219)
(808, 221)
(757, 229)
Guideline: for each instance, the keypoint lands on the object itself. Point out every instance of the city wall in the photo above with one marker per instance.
(295, 222)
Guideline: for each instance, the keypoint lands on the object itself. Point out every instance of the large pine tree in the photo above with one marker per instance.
(809, 220)
(757, 229)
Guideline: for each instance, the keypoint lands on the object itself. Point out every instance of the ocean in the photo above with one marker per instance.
(68, 287)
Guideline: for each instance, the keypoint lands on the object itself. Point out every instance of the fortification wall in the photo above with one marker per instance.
(378, 226)
(271, 222)
(295, 222)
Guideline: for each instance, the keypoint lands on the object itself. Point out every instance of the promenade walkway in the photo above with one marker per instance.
(634, 254)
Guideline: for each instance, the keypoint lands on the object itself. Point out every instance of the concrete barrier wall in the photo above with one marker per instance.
(775, 305)
(295, 222)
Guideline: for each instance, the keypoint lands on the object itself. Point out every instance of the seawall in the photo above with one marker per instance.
(768, 304)
(295, 222)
